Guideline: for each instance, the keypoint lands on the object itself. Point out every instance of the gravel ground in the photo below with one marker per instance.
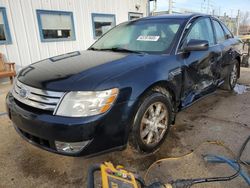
(221, 116)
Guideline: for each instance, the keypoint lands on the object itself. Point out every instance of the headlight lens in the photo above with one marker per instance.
(86, 103)
(71, 147)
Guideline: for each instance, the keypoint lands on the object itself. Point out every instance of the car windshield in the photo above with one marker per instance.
(148, 36)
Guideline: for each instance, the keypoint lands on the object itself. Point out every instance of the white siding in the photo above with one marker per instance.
(26, 45)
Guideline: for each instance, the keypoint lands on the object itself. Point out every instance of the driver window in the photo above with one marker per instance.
(202, 30)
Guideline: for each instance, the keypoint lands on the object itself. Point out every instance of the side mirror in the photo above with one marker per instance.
(196, 45)
(228, 36)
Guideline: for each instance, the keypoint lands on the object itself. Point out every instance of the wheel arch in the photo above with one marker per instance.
(239, 61)
(161, 86)
(167, 89)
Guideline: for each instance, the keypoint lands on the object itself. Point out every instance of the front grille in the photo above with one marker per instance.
(35, 139)
(32, 109)
(37, 98)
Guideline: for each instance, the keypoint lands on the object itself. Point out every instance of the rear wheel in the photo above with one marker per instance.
(232, 77)
(152, 122)
(245, 61)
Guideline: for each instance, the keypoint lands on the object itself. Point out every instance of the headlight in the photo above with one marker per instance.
(86, 103)
(71, 147)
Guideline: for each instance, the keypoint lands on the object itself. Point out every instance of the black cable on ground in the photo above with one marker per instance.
(185, 183)
(242, 149)
(212, 158)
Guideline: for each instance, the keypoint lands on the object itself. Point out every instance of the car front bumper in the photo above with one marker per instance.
(102, 132)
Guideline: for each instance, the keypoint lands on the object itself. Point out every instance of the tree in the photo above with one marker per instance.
(244, 27)
(245, 18)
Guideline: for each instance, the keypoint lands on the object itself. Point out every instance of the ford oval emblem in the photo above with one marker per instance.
(23, 93)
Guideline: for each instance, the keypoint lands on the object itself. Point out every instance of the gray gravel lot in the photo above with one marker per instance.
(221, 116)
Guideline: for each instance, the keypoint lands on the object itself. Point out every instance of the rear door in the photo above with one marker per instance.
(228, 45)
(200, 76)
(224, 42)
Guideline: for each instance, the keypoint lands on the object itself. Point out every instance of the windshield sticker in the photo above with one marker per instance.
(148, 38)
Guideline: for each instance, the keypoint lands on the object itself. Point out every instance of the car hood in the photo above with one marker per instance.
(74, 71)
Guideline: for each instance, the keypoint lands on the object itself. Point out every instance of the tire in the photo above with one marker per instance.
(231, 79)
(245, 61)
(146, 125)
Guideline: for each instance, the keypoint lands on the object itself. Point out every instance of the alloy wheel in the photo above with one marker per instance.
(234, 76)
(154, 123)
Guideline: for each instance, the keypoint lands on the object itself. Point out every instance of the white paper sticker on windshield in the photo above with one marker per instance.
(148, 38)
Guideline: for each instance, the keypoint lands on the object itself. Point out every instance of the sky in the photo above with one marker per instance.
(231, 7)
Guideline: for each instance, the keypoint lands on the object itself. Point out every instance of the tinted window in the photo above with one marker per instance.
(143, 36)
(5, 37)
(220, 35)
(201, 30)
(102, 23)
(2, 30)
(56, 25)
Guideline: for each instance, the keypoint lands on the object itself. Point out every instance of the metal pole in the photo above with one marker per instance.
(208, 6)
(170, 6)
(154, 8)
(238, 23)
(148, 8)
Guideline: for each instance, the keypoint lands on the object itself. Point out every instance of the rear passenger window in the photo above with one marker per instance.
(227, 31)
(219, 33)
(202, 30)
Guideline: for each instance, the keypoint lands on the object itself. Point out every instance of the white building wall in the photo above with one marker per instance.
(26, 46)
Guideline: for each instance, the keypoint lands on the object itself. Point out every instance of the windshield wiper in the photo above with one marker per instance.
(116, 49)
(95, 49)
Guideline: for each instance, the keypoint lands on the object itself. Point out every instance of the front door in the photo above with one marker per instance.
(200, 74)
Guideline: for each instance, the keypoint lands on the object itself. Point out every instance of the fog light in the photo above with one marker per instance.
(71, 147)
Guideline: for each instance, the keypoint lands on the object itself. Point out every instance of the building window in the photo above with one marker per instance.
(5, 37)
(55, 25)
(134, 15)
(102, 23)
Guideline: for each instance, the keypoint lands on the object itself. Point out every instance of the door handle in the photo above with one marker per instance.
(212, 59)
(230, 51)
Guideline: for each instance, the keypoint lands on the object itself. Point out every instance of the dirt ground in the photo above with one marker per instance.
(222, 116)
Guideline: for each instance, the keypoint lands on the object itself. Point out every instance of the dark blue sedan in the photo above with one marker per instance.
(127, 87)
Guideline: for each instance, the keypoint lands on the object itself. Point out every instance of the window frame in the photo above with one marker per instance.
(186, 33)
(6, 28)
(225, 27)
(138, 13)
(217, 42)
(100, 14)
(39, 12)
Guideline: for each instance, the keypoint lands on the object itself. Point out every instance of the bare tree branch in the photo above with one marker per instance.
(245, 18)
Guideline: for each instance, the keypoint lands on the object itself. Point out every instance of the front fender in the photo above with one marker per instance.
(157, 69)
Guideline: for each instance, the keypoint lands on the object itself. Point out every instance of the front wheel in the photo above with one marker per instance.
(232, 77)
(152, 122)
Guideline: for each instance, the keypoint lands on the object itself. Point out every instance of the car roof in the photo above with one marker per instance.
(174, 16)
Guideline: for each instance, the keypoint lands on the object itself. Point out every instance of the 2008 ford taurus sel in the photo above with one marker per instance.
(127, 87)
